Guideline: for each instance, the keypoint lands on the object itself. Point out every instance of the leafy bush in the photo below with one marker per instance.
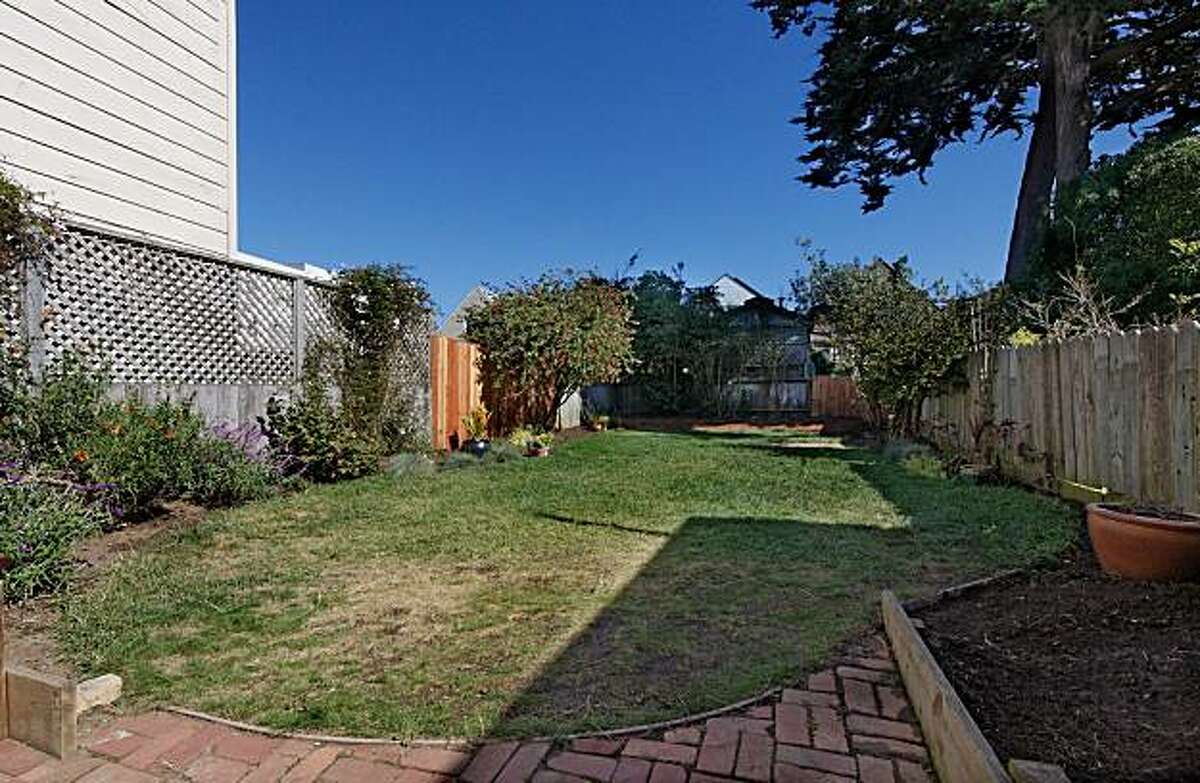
(1128, 224)
(315, 437)
(224, 476)
(525, 438)
(147, 451)
(542, 342)
(165, 451)
(899, 340)
(382, 314)
(48, 422)
(39, 526)
(476, 423)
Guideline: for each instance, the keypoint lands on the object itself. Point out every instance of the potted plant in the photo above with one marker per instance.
(1145, 543)
(599, 422)
(539, 445)
(475, 424)
(534, 443)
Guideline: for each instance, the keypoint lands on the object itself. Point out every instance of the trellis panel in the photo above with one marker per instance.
(157, 315)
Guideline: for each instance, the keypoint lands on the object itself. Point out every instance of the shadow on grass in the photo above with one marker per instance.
(730, 606)
(609, 525)
(726, 608)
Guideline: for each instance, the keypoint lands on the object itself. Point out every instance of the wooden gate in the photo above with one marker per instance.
(454, 386)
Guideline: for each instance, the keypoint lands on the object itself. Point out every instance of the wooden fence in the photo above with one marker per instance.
(836, 397)
(1118, 411)
(455, 388)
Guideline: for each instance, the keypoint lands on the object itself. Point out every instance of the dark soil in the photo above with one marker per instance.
(1155, 512)
(1068, 666)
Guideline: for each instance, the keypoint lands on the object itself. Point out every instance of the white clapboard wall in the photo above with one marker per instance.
(122, 112)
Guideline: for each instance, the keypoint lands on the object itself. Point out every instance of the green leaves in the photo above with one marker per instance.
(1128, 223)
(383, 316)
(899, 80)
(898, 342)
(543, 341)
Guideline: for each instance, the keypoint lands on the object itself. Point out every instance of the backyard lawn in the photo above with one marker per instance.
(633, 576)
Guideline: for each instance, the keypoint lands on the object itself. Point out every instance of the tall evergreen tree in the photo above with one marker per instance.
(899, 80)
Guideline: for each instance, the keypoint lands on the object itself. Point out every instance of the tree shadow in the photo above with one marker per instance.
(729, 606)
(726, 608)
(609, 525)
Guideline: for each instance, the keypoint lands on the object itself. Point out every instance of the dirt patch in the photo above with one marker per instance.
(1098, 675)
(835, 426)
(29, 626)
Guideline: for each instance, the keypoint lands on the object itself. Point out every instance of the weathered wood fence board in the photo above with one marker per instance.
(455, 388)
(1120, 411)
(836, 397)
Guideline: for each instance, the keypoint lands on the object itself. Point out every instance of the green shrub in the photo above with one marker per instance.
(311, 433)
(39, 526)
(381, 313)
(165, 451)
(1128, 223)
(223, 475)
(145, 450)
(530, 438)
(46, 423)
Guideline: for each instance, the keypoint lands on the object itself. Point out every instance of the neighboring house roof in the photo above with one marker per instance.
(734, 292)
(455, 324)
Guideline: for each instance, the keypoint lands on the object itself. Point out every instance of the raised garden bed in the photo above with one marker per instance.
(1097, 675)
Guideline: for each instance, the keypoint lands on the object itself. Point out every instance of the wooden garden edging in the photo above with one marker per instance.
(958, 749)
(41, 710)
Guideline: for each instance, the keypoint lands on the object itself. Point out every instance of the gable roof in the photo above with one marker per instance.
(733, 291)
(455, 324)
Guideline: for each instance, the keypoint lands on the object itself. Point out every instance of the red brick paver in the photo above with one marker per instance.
(848, 724)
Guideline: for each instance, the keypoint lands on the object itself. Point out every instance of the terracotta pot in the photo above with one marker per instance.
(1143, 547)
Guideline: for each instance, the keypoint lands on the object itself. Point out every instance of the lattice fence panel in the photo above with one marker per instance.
(11, 293)
(318, 312)
(163, 316)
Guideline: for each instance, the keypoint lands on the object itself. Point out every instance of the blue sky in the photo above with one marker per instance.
(482, 141)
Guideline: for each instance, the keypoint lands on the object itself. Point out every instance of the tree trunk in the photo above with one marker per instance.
(1068, 40)
(1037, 181)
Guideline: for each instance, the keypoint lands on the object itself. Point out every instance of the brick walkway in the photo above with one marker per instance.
(851, 723)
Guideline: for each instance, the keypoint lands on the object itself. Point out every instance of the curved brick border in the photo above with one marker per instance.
(645, 728)
(848, 724)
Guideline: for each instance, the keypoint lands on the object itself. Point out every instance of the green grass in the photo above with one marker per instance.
(630, 577)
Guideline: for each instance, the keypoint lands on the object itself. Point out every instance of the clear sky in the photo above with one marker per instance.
(484, 141)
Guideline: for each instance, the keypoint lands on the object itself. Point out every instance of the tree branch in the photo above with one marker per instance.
(1107, 58)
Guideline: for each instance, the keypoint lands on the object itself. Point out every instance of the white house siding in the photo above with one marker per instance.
(122, 112)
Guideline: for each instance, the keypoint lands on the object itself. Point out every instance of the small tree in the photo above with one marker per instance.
(678, 333)
(543, 341)
(898, 340)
